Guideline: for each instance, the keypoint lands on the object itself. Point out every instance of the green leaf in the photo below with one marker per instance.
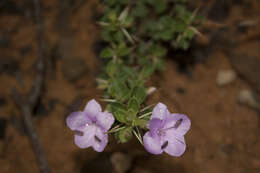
(125, 135)
(180, 10)
(180, 26)
(159, 64)
(119, 90)
(141, 123)
(128, 71)
(106, 53)
(128, 22)
(106, 35)
(183, 14)
(131, 116)
(123, 50)
(140, 10)
(166, 21)
(183, 43)
(166, 35)
(111, 27)
(140, 94)
(123, 92)
(158, 51)
(119, 112)
(111, 2)
(133, 105)
(146, 71)
(118, 37)
(112, 68)
(112, 16)
(160, 6)
(189, 33)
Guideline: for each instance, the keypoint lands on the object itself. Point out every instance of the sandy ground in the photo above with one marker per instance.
(224, 136)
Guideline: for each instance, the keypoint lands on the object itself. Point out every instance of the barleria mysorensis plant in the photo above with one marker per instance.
(138, 35)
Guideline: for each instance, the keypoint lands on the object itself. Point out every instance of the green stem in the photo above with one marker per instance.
(138, 137)
(115, 129)
(144, 115)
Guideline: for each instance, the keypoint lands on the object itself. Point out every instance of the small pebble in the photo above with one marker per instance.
(225, 77)
(247, 97)
(151, 90)
(121, 162)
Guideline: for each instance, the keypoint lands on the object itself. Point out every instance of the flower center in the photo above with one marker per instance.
(178, 123)
(175, 126)
(97, 139)
(164, 145)
(161, 132)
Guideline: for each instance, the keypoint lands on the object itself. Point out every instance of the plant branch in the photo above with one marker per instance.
(27, 106)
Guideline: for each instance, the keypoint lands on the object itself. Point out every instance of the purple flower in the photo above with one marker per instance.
(166, 132)
(90, 126)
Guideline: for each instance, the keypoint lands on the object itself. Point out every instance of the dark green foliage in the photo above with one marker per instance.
(124, 135)
(136, 32)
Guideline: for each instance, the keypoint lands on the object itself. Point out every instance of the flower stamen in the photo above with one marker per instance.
(164, 145)
(97, 139)
(178, 123)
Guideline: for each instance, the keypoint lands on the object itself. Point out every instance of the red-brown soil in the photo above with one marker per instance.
(224, 136)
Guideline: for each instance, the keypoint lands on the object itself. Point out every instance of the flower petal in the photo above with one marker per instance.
(105, 120)
(100, 140)
(160, 111)
(152, 143)
(154, 125)
(87, 139)
(92, 109)
(176, 143)
(76, 120)
(180, 122)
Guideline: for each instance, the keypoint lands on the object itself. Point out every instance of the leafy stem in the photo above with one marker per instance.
(138, 35)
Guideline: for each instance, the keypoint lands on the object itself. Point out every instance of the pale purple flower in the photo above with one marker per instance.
(166, 132)
(90, 126)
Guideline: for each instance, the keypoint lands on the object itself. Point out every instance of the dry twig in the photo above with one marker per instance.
(27, 106)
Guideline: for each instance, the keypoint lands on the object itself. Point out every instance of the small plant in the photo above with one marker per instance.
(138, 35)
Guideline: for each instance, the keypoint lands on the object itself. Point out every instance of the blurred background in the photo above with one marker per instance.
(216, 83)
